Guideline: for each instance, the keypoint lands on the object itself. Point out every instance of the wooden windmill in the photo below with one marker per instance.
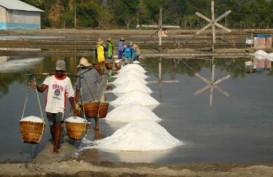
(212, 23)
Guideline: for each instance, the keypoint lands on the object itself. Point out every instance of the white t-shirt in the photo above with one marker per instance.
(58, 90)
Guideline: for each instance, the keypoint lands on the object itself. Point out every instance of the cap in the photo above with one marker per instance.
(84, 62)
(60, 65)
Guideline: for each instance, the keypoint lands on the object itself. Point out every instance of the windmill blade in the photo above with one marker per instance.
(222, 16)
(203, 16)
(224, 28)
(222, 79)
(221, 91)
(202, 78)
(203, 29)
(202, 90)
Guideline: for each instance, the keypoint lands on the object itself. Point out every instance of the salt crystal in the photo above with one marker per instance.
(260, 54)
(128, 78)
(130, 87)
(136, 62)
(33, 119)
(137, 70)
(132, 72)
(139, 136)
(133, 66)
(135, 97)
(75, 119)
(131, 112)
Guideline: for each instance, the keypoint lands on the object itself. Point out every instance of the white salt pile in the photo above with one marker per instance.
(138, 136)
(132, 66)
(131, 112)
(270, 56)
(127, 78)
(132, 72)
(260, 54)
(135, 97)
(130, 87)
(76, 119)
(32, 119)
(136, 62)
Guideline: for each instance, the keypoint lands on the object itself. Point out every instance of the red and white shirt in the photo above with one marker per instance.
(58, 91)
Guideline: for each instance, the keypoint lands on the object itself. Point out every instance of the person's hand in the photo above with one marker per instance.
(76, 112)
(77, 98)
(33, 84)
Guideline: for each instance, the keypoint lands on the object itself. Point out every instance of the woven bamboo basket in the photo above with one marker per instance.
(91, 109)
(108, 66)
(76, 131)
(32, 132)
(87, 127)
(118, 66)
(103, 109)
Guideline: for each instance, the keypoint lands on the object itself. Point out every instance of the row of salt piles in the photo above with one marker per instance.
(261, 55)
(133, 106)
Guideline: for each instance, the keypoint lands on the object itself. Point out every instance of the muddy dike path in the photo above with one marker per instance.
(82, 42)
(61, 42)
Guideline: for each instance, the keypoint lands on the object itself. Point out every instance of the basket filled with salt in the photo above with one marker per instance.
(32, 129)
(76, 127)
(103, 109)
(91, 109)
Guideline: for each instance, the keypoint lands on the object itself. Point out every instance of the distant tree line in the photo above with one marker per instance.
(113, 14)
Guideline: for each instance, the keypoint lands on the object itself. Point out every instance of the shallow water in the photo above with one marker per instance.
(234, 129)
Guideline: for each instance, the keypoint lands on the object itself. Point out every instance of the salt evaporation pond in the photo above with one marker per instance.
(135, 97)
(131, 112)
(138, 136)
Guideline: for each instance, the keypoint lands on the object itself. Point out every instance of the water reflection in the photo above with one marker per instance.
(11, 64)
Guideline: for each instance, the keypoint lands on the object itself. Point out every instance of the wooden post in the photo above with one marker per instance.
(213, 26)
(75, 17)
(160, 27)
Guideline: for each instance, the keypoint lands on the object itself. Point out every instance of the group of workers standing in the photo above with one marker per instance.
(59, 86)
(105, 51)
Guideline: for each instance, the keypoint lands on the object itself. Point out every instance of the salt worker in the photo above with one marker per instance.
(100, 54)
(121, 45)
(58, 87)
(87, 85)
(110, 48)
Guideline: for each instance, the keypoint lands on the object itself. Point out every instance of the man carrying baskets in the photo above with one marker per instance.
(58, 87)
(87, 88)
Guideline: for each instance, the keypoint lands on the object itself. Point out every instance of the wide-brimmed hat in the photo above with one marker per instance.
(60, 65)
(84, 62)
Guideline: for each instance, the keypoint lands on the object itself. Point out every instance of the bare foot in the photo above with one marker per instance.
(96, 128)
(55, 150)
